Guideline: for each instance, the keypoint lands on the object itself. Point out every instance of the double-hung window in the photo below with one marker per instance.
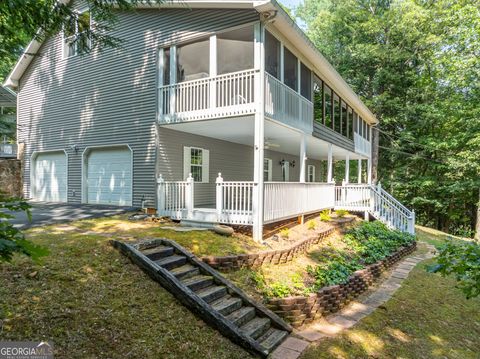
(75, 33)
(196, 162)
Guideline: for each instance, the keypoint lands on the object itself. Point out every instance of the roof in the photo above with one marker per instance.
(8, 98)
(282, 21)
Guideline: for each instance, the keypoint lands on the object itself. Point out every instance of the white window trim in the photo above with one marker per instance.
(312, 173)
(64, 39)
(187, 163)
(269, 169)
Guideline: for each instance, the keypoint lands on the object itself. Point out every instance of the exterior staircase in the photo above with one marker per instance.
(209, 295)
(378, 203)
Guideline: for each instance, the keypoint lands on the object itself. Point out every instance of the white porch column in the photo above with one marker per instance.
(359, 171)
(173, 77)
(259, 136)
(330, 163)
(189, 196)
(303, 157)
(347, 168)
(369, 171)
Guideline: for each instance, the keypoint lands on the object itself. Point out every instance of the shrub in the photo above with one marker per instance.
(285, 233)
(311, 224)
(463, 261)
(341, 213)
(335, 271)
(325, 215)
(278, 290)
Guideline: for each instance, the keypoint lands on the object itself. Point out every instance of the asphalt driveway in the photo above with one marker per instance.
(51, 213)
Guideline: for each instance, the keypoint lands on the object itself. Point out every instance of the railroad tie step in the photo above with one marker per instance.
(272, 338)
(185, 271)
(172, 261)
(209, 294)
(256, 327)
(242, 316)
(158, 252)
(198, 282)
(227, 304)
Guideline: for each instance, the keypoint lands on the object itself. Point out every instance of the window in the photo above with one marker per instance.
(350, 123)
(336, 113)
(76, 33)
(311, 173)
(267, 169)
(165, 64)
(305, 82)
(290, 69)
(344, 123)
(235, 50)
(317, 99)
(328, 107)
(272, 55)
(196, 162)
(193, 60)
(285, 171)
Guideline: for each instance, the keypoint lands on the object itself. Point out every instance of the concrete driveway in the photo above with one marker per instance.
(51, 213)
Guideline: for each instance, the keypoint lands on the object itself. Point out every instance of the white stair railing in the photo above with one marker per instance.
(234, 201)
(175, 198)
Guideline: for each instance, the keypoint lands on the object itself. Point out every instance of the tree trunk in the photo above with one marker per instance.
(375, 149)
(477, 226)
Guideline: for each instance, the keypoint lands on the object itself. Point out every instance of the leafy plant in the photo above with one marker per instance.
(285, 233)
(325, 215)
(463, 261)
(335, 271)
(341, 213)
(278, 290)
(311, 224)
(12, 239)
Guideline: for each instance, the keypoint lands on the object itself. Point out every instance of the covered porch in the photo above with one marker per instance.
(298, 173)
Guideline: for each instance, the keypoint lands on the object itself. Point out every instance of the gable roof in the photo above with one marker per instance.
(8, 98)
(282, 21)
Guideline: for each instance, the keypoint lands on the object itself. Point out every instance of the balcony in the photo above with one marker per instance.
(233, 94)
(8, 150)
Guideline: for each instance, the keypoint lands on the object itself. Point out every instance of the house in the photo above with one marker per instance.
(8, 103)
(211, 111)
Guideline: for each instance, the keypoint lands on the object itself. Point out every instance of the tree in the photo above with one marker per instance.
(416, 64)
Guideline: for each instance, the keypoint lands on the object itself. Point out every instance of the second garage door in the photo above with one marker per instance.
(109, 176)
(49, 176)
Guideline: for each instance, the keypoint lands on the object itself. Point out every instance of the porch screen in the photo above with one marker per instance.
(290, 70)
(235, 50)
(193, 60)
(272, 55)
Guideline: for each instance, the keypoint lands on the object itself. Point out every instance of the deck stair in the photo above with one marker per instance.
(209, 295)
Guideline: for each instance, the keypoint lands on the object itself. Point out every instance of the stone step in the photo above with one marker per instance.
(242, 316)
(209, 294)
(272, 338)
(256, 327)
(198, 282)
(172, 262)
(158, 252)
(185, 271)
(227, 305)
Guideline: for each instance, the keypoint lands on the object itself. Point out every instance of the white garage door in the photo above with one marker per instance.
(109, 176)
(49, 177)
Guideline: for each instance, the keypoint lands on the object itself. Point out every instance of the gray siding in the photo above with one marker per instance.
(234, 161)
(108, 98)
(327, 134)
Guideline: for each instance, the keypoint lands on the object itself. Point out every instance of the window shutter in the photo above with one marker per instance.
(186, 161)
(205, 165)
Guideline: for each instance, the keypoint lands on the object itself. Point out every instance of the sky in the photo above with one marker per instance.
(291, 3)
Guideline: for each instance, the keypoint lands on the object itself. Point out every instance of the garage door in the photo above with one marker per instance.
(49, 177)
(109, 176)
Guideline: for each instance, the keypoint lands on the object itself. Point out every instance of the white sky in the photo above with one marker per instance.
(291, 3)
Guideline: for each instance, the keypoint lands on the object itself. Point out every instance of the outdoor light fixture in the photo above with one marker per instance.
(291, 164)
(75, 148)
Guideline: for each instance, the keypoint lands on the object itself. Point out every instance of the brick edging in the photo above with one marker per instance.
(300, 310)
(280, 256)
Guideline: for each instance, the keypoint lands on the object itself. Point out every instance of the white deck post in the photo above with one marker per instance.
(330, 163)
(160, 195)
(347, 169)
(411, 225)
(359, 171)
(369, 169)
(303, 157)
(259, 136)
(173, 78)
(189, 196)
(219, 196)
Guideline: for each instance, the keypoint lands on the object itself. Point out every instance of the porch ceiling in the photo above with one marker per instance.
(278, 137)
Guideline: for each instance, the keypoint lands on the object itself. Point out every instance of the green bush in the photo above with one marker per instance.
(278, 290)
(325, 215)
(463, 261)
(311, 224)
(341, 213)
(285, 233)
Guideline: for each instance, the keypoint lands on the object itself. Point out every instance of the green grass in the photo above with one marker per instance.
(426, 318)
(92, 302)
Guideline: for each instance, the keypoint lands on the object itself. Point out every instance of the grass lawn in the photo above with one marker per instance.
(426, 318)
(93, 303)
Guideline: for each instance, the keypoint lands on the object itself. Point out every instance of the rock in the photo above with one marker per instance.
(33, 274)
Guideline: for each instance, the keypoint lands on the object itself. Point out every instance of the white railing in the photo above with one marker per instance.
(376, 201)
(362, 146)
(288, 199)
(175, 198)
(226, 95)
(234, 201)
(286, 105)
(353, 197)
